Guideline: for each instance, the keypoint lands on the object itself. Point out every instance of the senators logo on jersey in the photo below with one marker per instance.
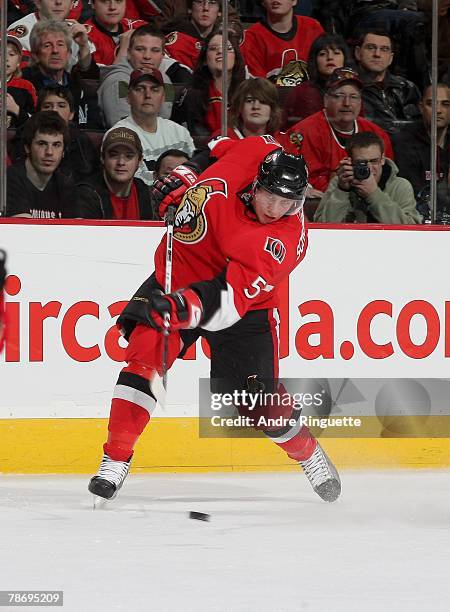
(276, 248)
(190, 220)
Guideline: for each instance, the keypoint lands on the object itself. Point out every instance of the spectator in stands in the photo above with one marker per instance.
(185, 40)
(401, 20)
(114, 192)
(57, 10)
(278, 47)
(168, 161)
(50, 49)
(81, 158)
(412, 148)
(328, 52)
(145, 51)
(443, 41)
(255, 110)
(367, 188)
(389, 100)
(200, 106)
(321, 137)
(21, 94)
(146, 96)
(35, 187)
(108, 31)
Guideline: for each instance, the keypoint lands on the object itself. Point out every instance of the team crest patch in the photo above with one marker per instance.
(292, 74)
(276, 248)
(190, 221)
(19, 31)
(171, 38)
(296, 138)
(198, 45)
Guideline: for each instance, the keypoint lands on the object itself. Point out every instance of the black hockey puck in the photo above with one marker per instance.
(199, 516)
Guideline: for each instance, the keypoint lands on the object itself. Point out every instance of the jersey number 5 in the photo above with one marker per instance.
(258, 285)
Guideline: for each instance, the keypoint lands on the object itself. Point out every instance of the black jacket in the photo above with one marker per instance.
(93, 199)
(81, 159)
(87, 110)
(412, 148)
(391, 103)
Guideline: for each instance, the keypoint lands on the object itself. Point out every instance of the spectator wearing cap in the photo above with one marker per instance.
(21, 94)
(51, 51)
(36, 187)
(146, 96)
(109, 30)
(321, 138)
(139, 49)
(114, 192)
(389, 100)
(62, 11)
(277, 48)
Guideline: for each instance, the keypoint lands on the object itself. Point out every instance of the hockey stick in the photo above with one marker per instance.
(170, 221)
(158, 385)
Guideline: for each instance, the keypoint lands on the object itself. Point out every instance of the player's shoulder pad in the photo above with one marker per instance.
(220, 145)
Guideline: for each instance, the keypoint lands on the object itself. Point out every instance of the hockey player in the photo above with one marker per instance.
(239, 231)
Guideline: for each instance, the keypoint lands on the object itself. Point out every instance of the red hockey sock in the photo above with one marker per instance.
(126, 423)
(301, 446)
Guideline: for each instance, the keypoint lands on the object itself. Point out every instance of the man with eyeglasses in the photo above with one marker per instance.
(185, 39)
(390, 101)
(367, 189)
(321, 137)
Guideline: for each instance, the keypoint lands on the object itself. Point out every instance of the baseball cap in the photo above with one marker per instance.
(137, 76)
(341, 76)
(13, 40)
(122, 136)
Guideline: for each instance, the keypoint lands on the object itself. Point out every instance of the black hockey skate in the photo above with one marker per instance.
(322, 475)
(109, 478)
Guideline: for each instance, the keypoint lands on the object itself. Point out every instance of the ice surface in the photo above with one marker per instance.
(272, 544)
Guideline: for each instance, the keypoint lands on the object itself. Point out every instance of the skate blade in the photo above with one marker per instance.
(99, 502)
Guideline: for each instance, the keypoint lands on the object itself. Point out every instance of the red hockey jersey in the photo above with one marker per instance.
(105, 43)
(316, 141)
(183, 48)
(268, 54)
(216, 235)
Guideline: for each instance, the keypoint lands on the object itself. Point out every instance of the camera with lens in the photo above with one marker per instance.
(361, 171)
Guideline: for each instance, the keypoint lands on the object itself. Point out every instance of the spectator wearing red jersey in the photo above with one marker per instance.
(108, 31)
(184, 43)
(200, 106)
(115, 193)
(255, 110)
(321, 138)
(21, 94)
(278, 47)
(328, 52)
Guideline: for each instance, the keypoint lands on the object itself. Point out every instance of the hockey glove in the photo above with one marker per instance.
(169, 190)
(184, 307)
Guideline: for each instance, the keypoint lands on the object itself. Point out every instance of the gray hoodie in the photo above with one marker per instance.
(113, 90)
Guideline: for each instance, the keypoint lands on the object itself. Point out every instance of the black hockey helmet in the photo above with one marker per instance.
(285, 175)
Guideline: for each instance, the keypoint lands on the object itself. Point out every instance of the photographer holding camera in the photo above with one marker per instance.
(367, 188)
